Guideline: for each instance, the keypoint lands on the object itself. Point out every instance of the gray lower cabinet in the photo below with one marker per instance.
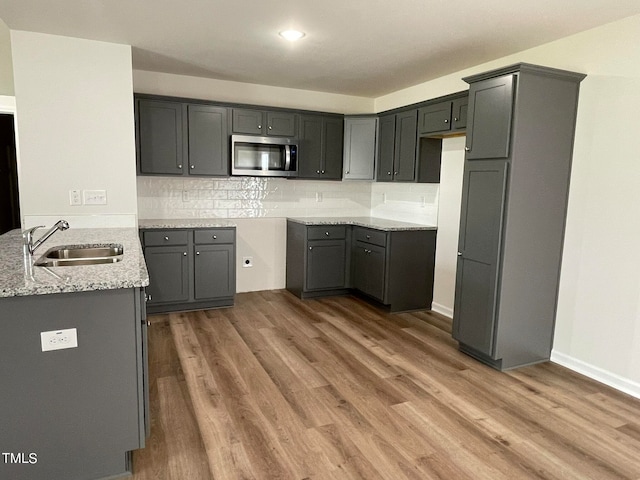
(392, 268)
(514, 200)
(189, 269)
(177, 138)
(359, 148)
(75, 413)
(317, 258)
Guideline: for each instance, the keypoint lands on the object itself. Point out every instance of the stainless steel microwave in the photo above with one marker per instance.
(263, 156)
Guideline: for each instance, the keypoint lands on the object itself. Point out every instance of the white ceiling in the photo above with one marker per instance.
(355, 47)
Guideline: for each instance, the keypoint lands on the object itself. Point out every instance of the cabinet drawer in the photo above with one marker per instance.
(165, 237)
(325, 232)
(214, 235)
(376, 237)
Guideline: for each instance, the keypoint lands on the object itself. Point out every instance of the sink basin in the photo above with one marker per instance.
(81, 255)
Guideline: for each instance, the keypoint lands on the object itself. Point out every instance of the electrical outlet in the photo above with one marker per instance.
(59, 339)
(318, 196)
(74, 197)
(247, 262)
(95, 197)
(185, 196)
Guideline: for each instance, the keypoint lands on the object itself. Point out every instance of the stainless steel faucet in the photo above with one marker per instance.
(30, 246)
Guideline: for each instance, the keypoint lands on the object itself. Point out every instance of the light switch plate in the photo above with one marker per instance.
(59, 339)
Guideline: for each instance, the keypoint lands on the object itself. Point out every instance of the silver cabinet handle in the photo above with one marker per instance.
(166, 239)
(215, 237)
(347, 172)
(455, 119)
(270, 128)
(467, 149)
(180, 166)
(368, 237)
(459, 254)
(259, 126)
(193, 166)
(197, 253)
(395, 173)
(326, 233)
(310, 248)
(149, 297)
(446, 120)
(322, 172)
(388, 173)
(184, 254)
(318, 172)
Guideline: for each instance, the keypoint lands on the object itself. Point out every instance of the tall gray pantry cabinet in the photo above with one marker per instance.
(520, 131)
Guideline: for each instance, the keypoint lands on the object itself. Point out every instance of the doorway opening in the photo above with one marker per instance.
(9, 197)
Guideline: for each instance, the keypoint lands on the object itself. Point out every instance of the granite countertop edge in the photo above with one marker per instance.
(17, 281)
(368, 222)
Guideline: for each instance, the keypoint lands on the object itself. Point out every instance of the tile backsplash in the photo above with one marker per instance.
(253, 197)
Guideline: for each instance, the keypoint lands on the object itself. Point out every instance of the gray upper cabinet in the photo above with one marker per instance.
(159, 139)
(320, 140)
(263, 122)
(397, 141)
(359, 148)
(448, 117)
(490, 117)
(208, 140)
(514, 201)
(177, 138)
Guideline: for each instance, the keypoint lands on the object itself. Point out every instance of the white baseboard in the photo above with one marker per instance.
(596, 373)
(442, 310)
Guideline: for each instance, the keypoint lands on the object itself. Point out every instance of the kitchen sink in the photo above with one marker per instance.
(73, 255)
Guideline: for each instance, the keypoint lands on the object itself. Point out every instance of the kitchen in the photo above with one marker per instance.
(599, 265)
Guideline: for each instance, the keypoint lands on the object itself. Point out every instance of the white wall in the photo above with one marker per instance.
(598, 319)
(74, 101)
(6, 67)
(249, 93)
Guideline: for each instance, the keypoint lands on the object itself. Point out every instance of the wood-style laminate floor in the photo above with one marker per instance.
(278, 388)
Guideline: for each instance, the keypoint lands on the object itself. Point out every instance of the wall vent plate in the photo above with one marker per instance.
(59, 339)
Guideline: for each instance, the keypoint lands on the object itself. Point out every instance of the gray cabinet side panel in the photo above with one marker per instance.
(539, 184)
(296, 257)
(77, 408)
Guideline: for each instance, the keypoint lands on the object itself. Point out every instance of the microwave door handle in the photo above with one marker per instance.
(287, 157)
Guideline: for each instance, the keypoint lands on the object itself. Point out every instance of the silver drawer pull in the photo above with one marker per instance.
(179, 166)
(184, 254)
(215, 237)
(166, 239)
(310, 248)
(446, 121)
(197, 253)
(368, 237)
(326, 233)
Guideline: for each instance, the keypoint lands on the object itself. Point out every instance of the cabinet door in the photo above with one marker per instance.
(281, 124)
(214, 271)
(326, 264)
(459, 114)
(405, 146)
(208, 140)
(168, 274)
(310, 147)
(490, 112)
(247, 121)
(332, 146)
(160, 137)
(386, 147)
(481, 219)
(369, 269)
(359, 148)
(435, 118)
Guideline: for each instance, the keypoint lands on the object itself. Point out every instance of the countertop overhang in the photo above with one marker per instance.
(18, 280)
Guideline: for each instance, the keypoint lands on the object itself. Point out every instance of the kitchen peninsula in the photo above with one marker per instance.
(74, 412)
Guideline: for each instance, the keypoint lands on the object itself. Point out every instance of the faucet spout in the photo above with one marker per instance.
(31, 246)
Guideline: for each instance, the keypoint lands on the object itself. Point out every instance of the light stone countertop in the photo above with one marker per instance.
(16, 280)
(369, 222)
(186, 223)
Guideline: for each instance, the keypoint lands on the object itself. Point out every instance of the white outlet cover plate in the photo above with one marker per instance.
(59, 339)
(95, 197)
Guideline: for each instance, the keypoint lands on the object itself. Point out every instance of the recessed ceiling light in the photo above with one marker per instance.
(292, 35)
